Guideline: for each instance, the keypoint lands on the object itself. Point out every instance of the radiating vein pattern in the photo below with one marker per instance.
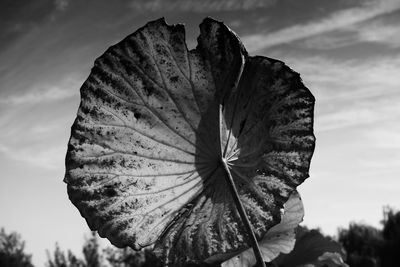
(144, 158)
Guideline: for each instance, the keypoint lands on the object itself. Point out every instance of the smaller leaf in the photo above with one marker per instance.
(331, 259)
(312, 249)
(279, 239)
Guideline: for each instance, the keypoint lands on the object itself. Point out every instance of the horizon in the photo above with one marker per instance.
(347, 53)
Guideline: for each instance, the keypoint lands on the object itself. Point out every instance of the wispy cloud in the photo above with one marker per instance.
(356, 116)
(350, 93)
(338, 20)
(61, 4)
(380, 33)
(37, 96)
(383, 144)
(36, 137)
(375, 31)
(330, 40)
(51, 157)
(199, 6)
(35, 122)
(387, 137)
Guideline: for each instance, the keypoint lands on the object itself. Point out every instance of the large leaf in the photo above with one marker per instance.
(280, 238)
(144, 162)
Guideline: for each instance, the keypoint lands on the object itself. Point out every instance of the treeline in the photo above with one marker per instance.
(366, 246)
(94, 256)
(12, 254)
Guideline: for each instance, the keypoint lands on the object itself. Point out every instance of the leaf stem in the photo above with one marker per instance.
(243, 215)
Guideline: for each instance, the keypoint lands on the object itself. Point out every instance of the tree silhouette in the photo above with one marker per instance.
(91, 255)
(94, 256)
(91, 252)
(367, 246)
(12, 250)
(62, 259)
(363, 244)
(391, 235)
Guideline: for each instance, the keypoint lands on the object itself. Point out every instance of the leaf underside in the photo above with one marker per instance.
(144, 159)
(279, 239)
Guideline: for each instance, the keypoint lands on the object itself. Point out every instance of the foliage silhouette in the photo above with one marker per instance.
(12, 250)
(391, 235)
(95, 256)
(367, 246)
(362, 243)
(91, 251)
(61, 259)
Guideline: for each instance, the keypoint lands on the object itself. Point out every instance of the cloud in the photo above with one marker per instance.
(19, 17)
(371, 31)
(387, 137)
(330, 40)
(37, 135)
(383, 145)
(34, 140)
(36, 96)
(338, 20)
(356, 116)
(61, 4)
(199, 6)
(35, 123)
(379, 32)
(350, 92)
(50, 158)
(46, 91)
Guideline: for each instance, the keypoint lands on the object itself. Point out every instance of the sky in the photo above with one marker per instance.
(347, 52)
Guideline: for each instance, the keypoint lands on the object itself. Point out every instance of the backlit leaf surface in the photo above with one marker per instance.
(144, 159)
(280, 238)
